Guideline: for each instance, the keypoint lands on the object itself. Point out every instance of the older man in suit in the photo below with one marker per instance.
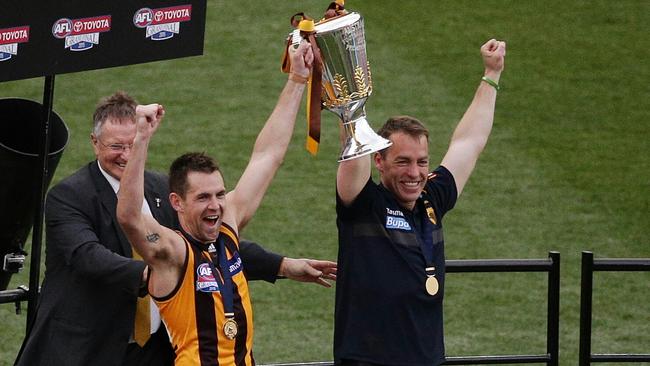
(87, 306)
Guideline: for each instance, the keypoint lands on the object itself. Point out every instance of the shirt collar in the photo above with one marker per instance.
(115, 184)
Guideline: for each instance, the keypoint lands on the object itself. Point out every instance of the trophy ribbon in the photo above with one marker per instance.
(340, 80)
(307, 31)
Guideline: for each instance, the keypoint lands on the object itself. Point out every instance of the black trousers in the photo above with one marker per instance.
(157, 351)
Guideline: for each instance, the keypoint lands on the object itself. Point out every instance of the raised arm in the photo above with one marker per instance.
(473, 130)
(351, 177)
(272, 142)
(148, 237)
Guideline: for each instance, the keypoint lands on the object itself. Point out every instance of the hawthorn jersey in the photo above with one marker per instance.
(194, 311)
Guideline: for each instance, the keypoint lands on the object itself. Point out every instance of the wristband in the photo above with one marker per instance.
(298, 78)
(491, 82)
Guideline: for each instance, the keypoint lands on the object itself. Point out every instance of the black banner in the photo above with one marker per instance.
(49, 37)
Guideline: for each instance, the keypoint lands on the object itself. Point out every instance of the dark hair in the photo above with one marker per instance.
(186, 163)
(404, 124)
(119, 106)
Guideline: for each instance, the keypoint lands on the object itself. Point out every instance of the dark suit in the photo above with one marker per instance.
(87, 304)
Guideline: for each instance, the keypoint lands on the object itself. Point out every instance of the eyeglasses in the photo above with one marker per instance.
(116, 147)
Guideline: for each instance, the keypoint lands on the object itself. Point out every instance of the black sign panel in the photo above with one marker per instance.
(48, 37)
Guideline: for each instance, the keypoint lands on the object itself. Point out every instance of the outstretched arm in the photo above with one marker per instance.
(308, 270)
(473, 130)
(272, 142)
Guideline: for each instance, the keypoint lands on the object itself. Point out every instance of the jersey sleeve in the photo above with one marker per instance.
(441, 186)
(361, 204)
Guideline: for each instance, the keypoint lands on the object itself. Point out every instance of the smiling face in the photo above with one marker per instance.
(200, 211)
(112, 134)
(404, 167)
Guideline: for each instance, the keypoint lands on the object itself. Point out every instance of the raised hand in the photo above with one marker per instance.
(148, 118)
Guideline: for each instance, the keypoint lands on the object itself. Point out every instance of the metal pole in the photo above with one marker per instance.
(37, 232)
(553, 317)
(586, 288)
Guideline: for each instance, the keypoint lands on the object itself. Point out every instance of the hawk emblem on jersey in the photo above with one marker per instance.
(431, 214)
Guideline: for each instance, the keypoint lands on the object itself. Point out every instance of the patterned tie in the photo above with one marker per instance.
(142, 328)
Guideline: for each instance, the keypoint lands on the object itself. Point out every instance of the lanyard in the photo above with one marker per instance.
(427, 220)
(426, 236)
(225, 280)
(218, 259)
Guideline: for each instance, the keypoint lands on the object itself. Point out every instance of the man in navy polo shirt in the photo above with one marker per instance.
(391, 249)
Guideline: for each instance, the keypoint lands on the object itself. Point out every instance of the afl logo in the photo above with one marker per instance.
(143, 17)
(62, 28)
(205, 272)
(205, 281)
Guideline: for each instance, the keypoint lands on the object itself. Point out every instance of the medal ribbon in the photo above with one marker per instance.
(225, 279)
(426, 235)
(431, 284)
(225, 284)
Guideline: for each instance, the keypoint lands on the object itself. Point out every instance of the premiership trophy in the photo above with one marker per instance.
(346, 79)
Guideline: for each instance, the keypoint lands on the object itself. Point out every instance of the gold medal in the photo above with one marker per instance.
(432, 285)
(230, 328)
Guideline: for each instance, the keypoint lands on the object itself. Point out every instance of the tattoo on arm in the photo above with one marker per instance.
(153, 237)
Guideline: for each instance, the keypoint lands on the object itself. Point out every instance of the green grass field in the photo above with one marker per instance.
(567, 167)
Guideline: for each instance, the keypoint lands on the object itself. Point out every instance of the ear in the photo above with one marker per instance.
(95, 143)
(176, 201)
(378, 162)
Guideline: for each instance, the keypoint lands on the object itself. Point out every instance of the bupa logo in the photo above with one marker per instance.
(143, 17)
(399, 223)
(205, 281)
(9, 39)
(162, 23)
(81, 34)
(62, 28)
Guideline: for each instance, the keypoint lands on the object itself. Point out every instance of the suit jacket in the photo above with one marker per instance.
(88, 297)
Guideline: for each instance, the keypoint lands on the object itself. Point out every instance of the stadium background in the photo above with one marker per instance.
(567, 167)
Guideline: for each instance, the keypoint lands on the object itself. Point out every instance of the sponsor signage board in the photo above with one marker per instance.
(49, 37)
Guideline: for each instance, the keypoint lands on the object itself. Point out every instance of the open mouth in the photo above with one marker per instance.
(212, 220)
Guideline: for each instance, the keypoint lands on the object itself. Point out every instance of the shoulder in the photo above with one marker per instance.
(371, 194)
(77, 183)
(441, 188)
(155, 176)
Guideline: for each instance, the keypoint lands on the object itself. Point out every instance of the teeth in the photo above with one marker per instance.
(214, 217)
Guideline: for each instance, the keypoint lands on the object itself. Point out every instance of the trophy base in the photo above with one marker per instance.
(361, 140)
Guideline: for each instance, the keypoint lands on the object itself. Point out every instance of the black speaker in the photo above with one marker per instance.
(21, 129)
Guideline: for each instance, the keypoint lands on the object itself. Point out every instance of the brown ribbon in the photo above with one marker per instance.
(315, 84)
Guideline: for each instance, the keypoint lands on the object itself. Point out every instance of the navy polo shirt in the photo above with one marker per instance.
(383, 312)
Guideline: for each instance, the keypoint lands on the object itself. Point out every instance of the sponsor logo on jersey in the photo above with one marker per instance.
(396, 222)
(205, 281)
(235, 264)
(81, 34)
(9, 39)
(162, 23)
(394, 212)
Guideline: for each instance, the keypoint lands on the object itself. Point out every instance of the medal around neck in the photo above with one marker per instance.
(432, 285)
(230, 328)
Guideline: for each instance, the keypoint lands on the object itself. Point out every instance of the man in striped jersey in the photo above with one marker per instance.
(196, 273)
